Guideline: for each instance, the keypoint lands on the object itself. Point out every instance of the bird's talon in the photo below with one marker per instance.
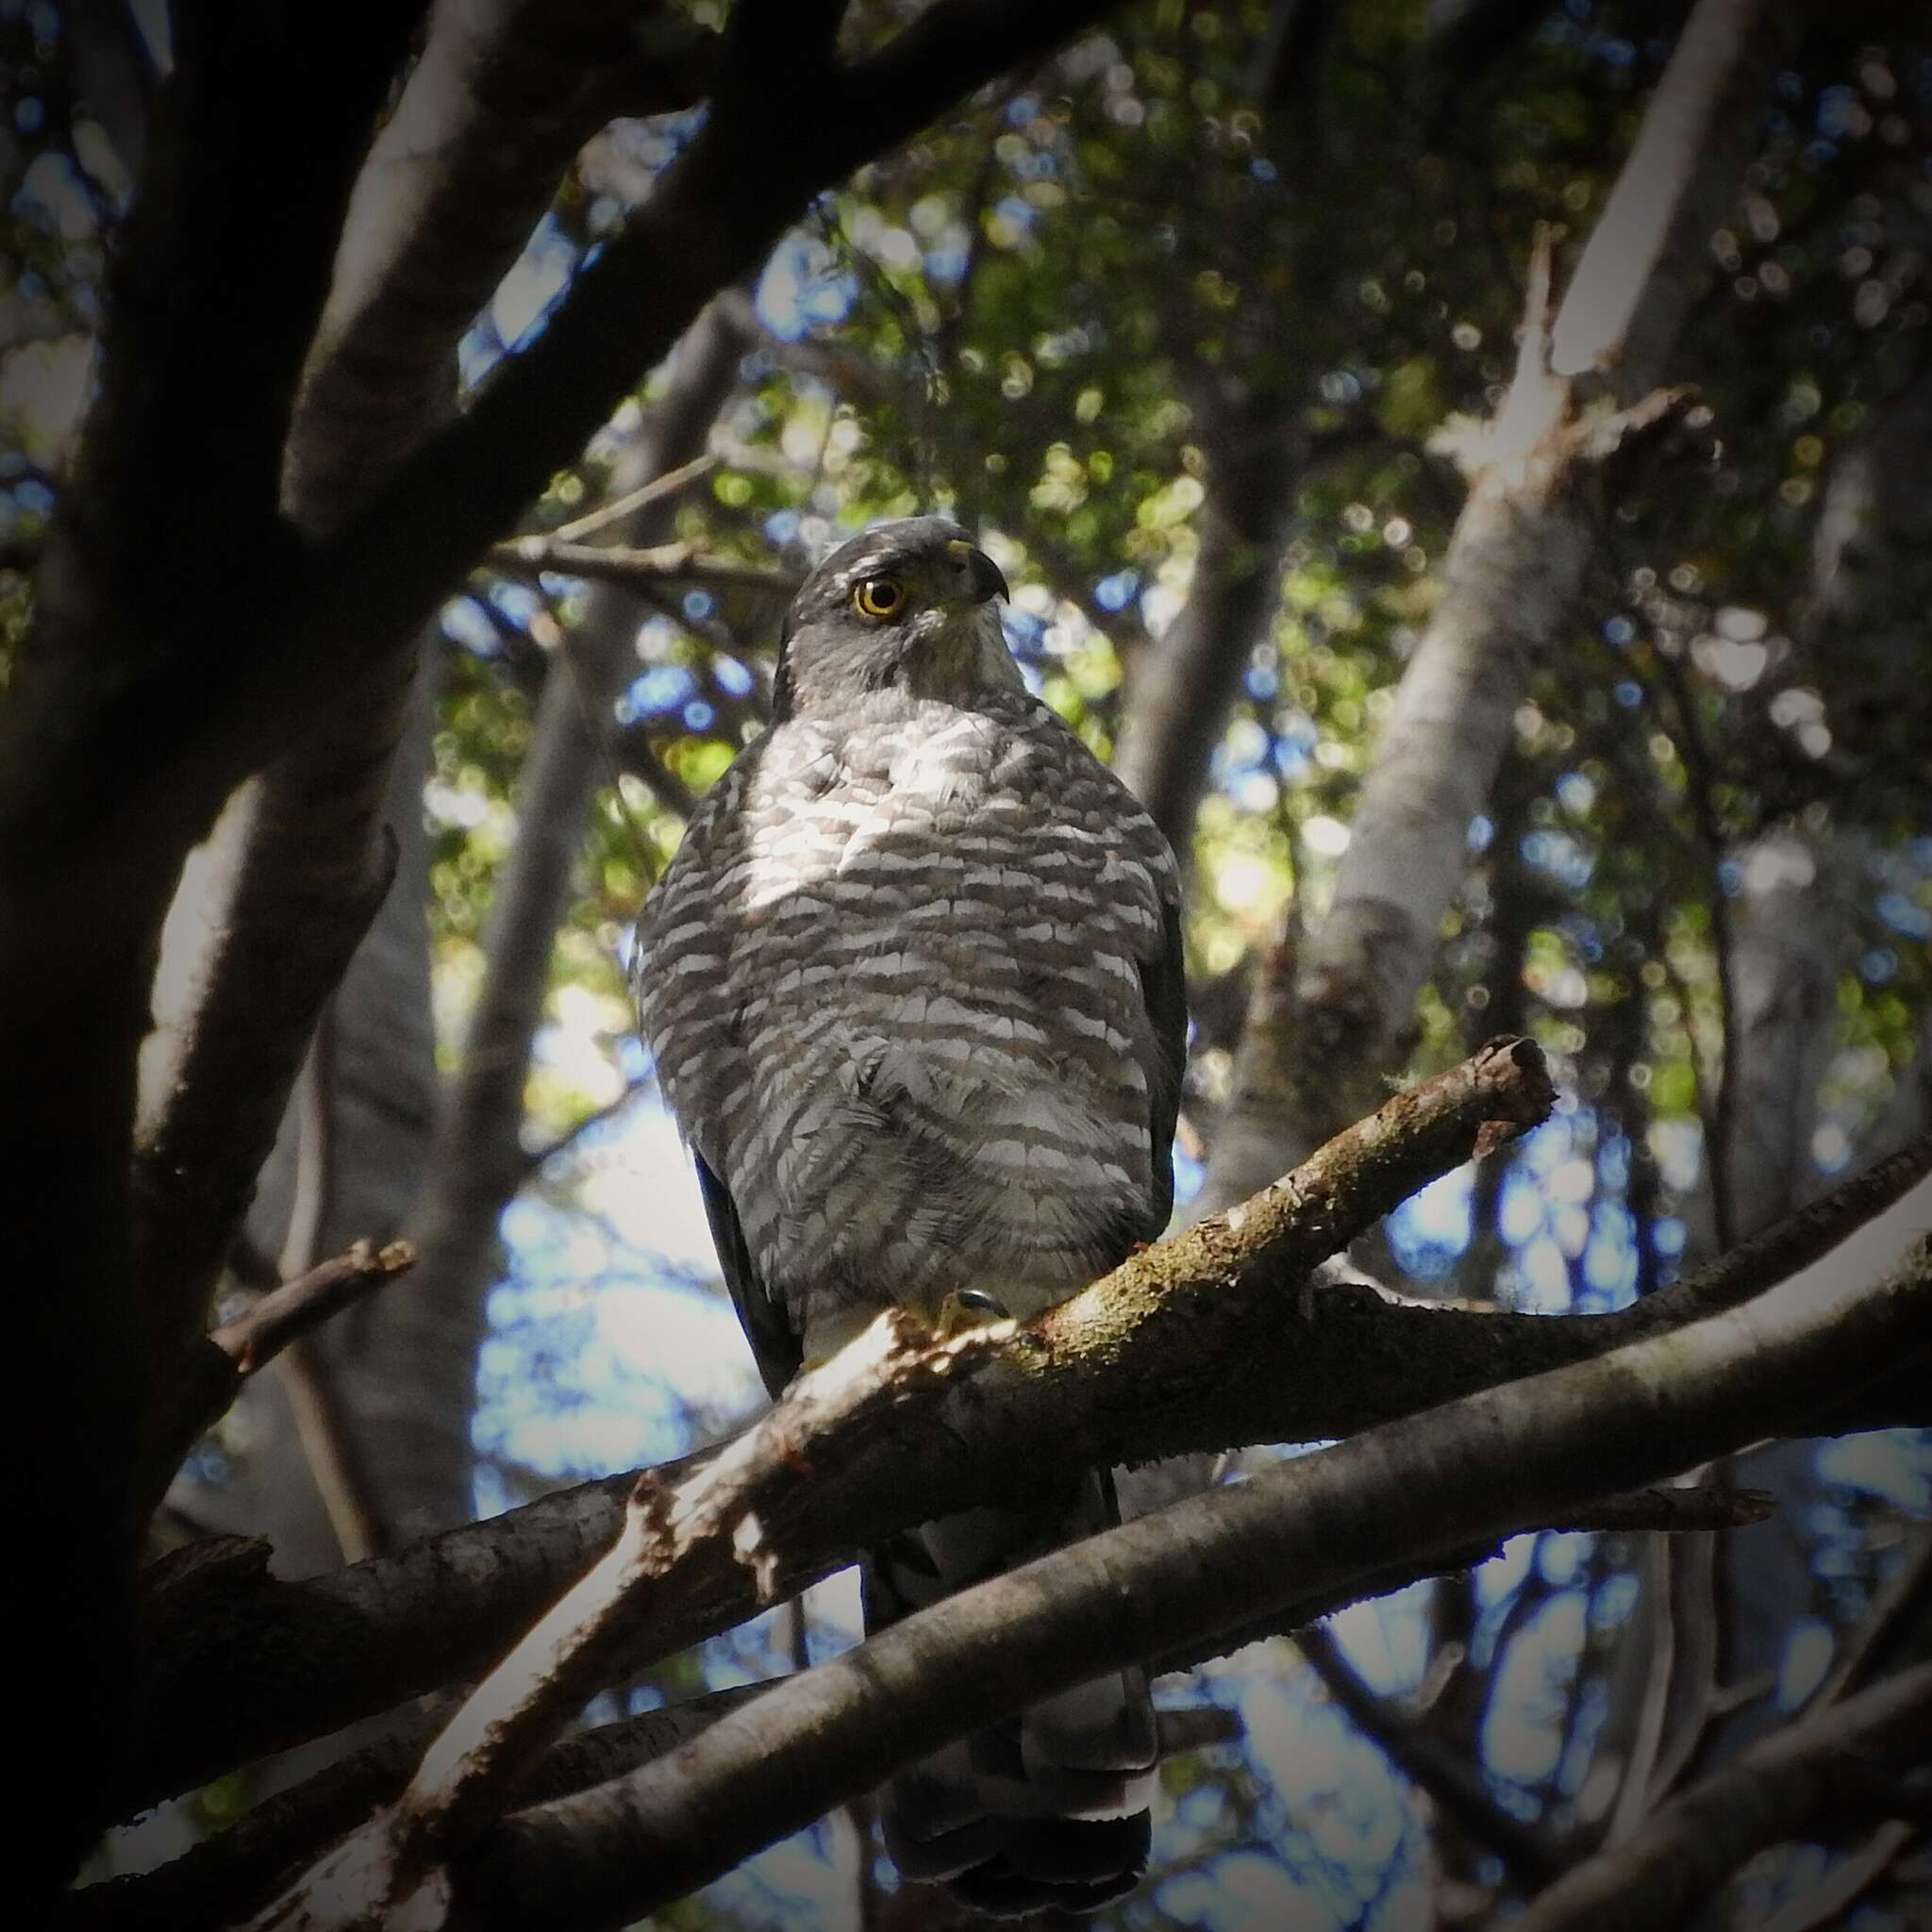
(970, 1307)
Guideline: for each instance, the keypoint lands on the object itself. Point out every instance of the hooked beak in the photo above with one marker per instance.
(983, 576)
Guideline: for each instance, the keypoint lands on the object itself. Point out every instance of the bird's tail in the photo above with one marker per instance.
(1048, 1809)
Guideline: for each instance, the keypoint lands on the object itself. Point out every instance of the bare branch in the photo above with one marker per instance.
(1157, 1359)
(1643, 260)
(1276, 1238)
(238, 1870)
(1450, 1778)
(133, 572)
(536, 1158)
(660, 490)
(1662, 1873)
(501, 97)
(1678, 1511)
(1887, 1627)
(633, 753)
(493, 110)
(718, 1513)
(709, 219)
(1826, 1901)
(1481, 1465)
(215, 1372)
(619, 563)
(219, 1069)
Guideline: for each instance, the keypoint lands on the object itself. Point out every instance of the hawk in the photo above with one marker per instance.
(912, 984)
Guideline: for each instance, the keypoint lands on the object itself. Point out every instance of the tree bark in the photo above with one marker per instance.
(86, 867)
(347, 1165)
(490, 118)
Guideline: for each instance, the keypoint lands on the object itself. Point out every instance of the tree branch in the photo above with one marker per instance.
(503, 94)
(1825, 1901)
(1674, 1509)
(660, 490)
(708, 220)
(280, 907)
(719, 1515)
(1185, 1348)
(536, 1159)
(1451, 1779)
(193, 356)
(1482, 1465)
(1662, 1873)
(620, 563)
(215, 1372)
(237, 1872)
(494, 108)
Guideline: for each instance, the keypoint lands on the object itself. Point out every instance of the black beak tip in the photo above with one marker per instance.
(988, 581)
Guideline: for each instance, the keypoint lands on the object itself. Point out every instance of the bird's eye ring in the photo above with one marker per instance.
(879, 596)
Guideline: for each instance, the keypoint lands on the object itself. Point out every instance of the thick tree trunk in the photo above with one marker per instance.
(373, 1415)
(414, 1374)
(347, 1165)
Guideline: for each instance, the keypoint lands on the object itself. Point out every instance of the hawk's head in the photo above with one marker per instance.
(906, 604)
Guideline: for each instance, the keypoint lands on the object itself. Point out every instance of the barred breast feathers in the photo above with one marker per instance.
(905, 960)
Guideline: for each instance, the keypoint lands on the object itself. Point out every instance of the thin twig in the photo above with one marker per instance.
(1780, 1786)
(225, 1358)
(314, 1400)
(658, 489)
(300, 1306)
(625, 563)
(1889, 1616)
(541, 1157)
(1698, 769)
(1424, 1759)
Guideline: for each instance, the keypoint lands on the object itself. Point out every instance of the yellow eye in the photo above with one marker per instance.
(879, 596)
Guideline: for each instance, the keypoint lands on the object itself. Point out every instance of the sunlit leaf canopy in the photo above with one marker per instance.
(1066, 318)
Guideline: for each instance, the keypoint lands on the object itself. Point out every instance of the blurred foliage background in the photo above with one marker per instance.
(1194, 312)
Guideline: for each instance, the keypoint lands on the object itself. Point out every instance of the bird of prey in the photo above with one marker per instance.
(912, 984)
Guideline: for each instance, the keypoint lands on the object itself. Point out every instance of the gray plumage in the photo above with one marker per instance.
(913, 987)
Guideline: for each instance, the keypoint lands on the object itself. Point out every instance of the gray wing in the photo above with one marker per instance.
(1163, 987)
(774, 1347)
(684, 900)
